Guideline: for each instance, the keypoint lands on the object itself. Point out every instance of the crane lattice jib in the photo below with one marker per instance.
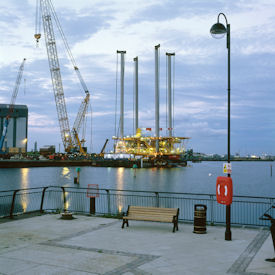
(16, 87)
(70, 55)
(81, 116)
(55, 74)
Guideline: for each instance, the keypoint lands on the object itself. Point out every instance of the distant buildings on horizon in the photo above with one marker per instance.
(237, 156)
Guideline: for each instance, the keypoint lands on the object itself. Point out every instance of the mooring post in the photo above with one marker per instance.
(92, 205)
(76, 180)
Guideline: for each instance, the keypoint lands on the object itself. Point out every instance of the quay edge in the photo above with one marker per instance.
(100, 162)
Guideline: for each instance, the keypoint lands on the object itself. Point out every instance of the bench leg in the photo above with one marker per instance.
(123, 222)
(175, 222)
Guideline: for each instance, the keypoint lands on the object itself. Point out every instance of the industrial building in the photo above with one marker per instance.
(17, 134)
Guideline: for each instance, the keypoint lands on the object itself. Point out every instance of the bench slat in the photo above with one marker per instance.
(152, 210)
(153, 218)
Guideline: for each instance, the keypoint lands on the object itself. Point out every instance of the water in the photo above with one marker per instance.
(249, 178)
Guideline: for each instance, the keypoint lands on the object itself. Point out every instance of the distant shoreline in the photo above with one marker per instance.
(225, 160)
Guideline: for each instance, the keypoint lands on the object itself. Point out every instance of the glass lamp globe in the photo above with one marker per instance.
(218, 31)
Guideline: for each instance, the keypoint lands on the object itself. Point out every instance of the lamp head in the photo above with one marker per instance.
(218, 30)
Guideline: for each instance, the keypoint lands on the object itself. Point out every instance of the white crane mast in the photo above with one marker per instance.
(69, 138)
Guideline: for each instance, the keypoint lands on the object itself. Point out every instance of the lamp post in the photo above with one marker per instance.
(218, 31)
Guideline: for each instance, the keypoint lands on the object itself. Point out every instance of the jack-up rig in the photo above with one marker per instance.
(70, 138)
(157, 150)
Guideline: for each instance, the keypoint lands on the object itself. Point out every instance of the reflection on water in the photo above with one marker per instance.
(24, 184)
(66, 173)
(24, 178)
(120, 177)
(120, 184)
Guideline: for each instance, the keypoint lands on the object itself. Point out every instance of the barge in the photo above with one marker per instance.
(97, 161)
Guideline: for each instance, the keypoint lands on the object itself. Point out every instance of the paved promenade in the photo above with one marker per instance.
(93, 245)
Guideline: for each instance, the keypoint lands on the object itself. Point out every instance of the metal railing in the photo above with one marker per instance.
(245, 210)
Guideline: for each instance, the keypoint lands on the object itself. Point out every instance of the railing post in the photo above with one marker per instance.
(42, 199)
(157, 199)
(108, 201)
(211, 209)
(12, 204)
(64, 198)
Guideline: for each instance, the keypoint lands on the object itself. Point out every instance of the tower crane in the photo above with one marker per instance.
(11, 106)
(46, 11)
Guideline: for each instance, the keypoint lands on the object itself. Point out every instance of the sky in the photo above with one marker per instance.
(96, 29)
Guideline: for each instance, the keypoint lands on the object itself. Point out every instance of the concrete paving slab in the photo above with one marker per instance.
(259, 265)
(93, 245)
(174, 248)
(15, 266)
(60, 257)
(52, 270)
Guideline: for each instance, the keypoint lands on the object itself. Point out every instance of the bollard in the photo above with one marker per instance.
(76, 180)
(135, 169)
(92, 193)
(92, 205)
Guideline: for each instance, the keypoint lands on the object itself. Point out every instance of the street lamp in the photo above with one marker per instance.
(218, 31)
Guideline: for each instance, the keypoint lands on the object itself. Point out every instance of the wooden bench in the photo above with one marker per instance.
(155, 214)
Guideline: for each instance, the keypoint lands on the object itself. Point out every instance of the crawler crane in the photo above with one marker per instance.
(70, 139)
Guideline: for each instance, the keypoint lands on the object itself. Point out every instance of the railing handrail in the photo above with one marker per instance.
(130, 191)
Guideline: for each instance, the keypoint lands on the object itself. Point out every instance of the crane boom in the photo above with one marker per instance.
(81, 113)
(81, 80)
(79, 121)
(69, 138)
(11, 107)
(55, 74)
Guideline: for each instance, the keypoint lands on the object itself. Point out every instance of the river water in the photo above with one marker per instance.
(251, 178)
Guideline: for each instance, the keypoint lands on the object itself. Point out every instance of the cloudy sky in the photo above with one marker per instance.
(96, 29)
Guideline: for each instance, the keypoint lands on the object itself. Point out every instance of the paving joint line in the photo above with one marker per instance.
(79, 233)
(243, 261)
(139, 259)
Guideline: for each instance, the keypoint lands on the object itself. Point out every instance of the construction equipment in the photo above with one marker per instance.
(45, 10)
(11, 106)
(103, 148)
(79, 121)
